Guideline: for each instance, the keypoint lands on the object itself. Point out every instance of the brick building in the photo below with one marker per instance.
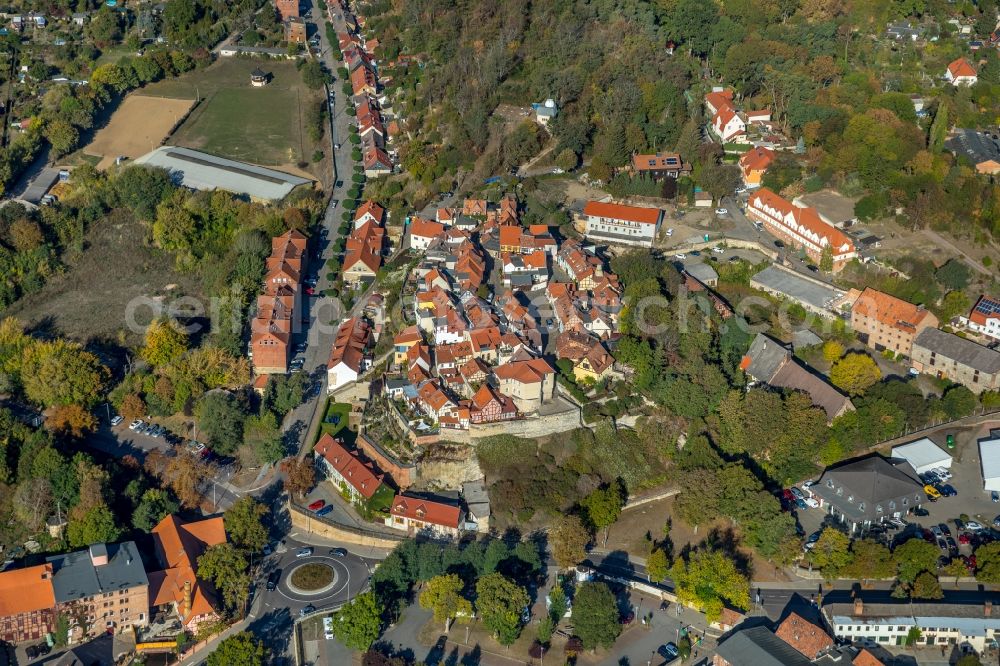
(295, 30)
(886, 322)
(278, 307)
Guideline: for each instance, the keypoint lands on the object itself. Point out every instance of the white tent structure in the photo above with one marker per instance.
(989, 460)
(923, 455)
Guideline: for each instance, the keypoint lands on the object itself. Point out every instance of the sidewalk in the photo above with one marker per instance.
(197, 656)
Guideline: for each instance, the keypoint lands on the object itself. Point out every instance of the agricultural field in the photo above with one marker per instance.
(259, 125)
(138, 126)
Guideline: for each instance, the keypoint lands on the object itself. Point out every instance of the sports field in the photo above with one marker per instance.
(235, 120)
(136, 127)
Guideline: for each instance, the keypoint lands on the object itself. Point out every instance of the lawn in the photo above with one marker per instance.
(234, 120)
(339, 412)
(312, 576)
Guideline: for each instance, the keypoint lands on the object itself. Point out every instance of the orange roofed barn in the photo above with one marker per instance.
(177, 588)
(27, 603)
(886, 322)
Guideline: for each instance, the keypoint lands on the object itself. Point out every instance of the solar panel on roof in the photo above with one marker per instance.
(988, 306)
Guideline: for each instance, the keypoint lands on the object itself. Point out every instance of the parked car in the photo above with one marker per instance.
(811, 502)
(668, 652)
(948, 490)
(921, 511)
(272, 580)
(718, 250)
(801, 504)
(325, 510)
(779, 244)
(936, 530)
(680, 255)
(797, 494)
(670, 232)
(317, 505)
(973, 526)
(813, 538)
(944, 529)
(996, 522)
(135, 424)
(932, 493)
(964, 538)
(305, 610)
(115, 420)
(304, 552)
(995, 497)
(721, 211)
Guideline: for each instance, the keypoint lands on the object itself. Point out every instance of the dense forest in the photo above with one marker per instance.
(822, 68)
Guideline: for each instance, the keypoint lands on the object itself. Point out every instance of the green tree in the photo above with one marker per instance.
(855, 373)
(500, 602)
(97, 525)
(826, 259)
(221, 417)
(869, 559)
(831, 553)
(558, 605)
(154, 506)
(141, 189)
(603, 506)
(914, 557)
(926, 586)
(953, 274)
(62, 135)
(312, 75)
(244, 523)
(958, 401)
(657, 565)
(988, 563)
(165, 343)
(443, 595)
(568, 539)
(707, 580)
(595, 615)
(913, 636)
(240, 649)
(359, 623)
(62, 373)
(227, 568)
(939, 128)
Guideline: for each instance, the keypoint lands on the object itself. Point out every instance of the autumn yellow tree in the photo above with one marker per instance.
(165, 343)
(71, 420)
(61, 373)
(443, 596)
(855, 373)
(832, 350)
(132, 407)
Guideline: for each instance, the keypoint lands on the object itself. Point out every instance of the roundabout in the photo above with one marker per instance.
(312, 578)
(318, 580)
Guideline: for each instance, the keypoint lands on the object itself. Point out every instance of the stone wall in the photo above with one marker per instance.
(341, 533)
(404, 475)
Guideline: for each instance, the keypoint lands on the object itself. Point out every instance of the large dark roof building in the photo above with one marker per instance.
(758, 646)
(980, 148)
(869, 490)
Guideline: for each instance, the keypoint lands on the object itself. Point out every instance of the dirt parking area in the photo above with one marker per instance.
(138, 126)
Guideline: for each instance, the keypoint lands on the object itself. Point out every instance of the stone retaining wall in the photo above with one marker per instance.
(341, 533)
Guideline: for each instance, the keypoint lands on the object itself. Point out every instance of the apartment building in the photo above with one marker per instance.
(984, 318)
(621, 224)
(886, 322)
(419, 516)
(275, 322)
(801, 228)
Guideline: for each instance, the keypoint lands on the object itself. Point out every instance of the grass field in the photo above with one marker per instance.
(234, 120)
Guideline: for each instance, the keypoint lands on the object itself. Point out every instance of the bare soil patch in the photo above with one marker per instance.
(138, 126)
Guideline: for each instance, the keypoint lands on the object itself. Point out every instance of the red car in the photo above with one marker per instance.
(317, 505)
(787, 494)
(310, 291)
(963, 538)
(970, 562)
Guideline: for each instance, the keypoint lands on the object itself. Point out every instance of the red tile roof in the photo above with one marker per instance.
(657, 161)
(866, 658)
(806, 218)
(756, 159)
(362, 475)
(804, 636)
(370, 208)
(623, 212)
(889, 310)
(425, 228)
(26, 590)
(426, 511)
(526, 372)
(961, 67)
(350, 344)
(178, 546)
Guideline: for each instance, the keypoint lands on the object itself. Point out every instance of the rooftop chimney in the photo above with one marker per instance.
(859, 607)
(98, 554)
(186, 603)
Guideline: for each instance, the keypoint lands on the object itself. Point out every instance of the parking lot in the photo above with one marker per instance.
(971, 503)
